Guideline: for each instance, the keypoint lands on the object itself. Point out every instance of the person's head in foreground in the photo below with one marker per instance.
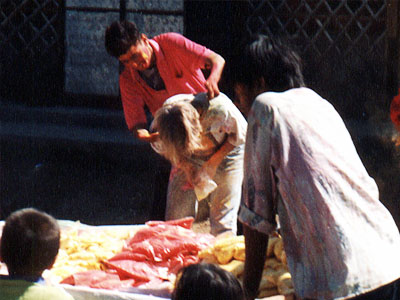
(124, 41)
(206, 282)
(29, 243)
(262, 64)
(179, 128)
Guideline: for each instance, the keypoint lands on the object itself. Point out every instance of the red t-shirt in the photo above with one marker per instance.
(179, 62)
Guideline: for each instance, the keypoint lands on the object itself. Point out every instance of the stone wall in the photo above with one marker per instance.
(89, 69)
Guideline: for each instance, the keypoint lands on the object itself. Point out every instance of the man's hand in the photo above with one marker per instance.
(145, 136)
(212, 87)
(215, 63)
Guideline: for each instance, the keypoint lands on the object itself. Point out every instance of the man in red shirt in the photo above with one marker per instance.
(153, 70)
(158, 68)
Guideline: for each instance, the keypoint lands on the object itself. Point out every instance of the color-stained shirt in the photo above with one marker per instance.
(221, 121)
(179, 62)
(25, 290)
(301, 163)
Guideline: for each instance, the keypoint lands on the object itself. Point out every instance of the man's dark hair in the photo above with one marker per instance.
(260, 56)
(207, 282)
(120, 36)
(30, 242)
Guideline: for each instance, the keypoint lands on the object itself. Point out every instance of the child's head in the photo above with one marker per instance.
(30, 242)
(178, 124)
(206, 282)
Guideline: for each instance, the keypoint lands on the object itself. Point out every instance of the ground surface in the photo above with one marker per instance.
(77, 166)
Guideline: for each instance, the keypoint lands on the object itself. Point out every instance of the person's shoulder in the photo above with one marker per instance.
(280, 98)
(269, 102)
(169, 37)
(178, 98)
(222, 101)
(267, 98)
(50, 292)
(302, 91)
(5, 280)
(221, 105)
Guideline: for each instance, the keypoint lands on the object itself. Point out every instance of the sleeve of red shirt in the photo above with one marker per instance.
(191, 53)
(133, 103)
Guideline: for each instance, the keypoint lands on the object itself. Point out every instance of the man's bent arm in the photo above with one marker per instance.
(215, 63)
(215, 160)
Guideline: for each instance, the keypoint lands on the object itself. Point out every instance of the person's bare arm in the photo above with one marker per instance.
(141, 133)
(210, 166)
(215, 63)
(255, 248)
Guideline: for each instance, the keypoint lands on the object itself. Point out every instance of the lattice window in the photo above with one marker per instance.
(325, 26)
(29, 27)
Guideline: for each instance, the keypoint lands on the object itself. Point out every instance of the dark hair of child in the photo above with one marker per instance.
(206, 282)
(30, 242)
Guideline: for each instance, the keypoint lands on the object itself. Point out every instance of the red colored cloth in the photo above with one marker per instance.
(99, 279)
(159, 251)
(395, 111)
(179, 62)
(150, 258)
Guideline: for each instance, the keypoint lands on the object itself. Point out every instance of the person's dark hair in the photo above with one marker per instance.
(120, 36)
(261, 56)
(206, 282)
(30, 242)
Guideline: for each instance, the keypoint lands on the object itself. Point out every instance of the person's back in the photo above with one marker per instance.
(340, 222)
(29, 244)
(301, 163)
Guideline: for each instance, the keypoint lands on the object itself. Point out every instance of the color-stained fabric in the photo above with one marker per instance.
(301, 164)
(221, 121)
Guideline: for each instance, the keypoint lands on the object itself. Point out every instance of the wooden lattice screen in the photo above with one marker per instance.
(344, 45)
(29, 26)
(324, 27)
(31, 48)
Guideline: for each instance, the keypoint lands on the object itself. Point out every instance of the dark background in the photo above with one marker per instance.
(72, 156)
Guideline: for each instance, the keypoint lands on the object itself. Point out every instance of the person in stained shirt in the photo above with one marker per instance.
(157, 68)
(154, 69)
(301, 164)
(204, 140)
